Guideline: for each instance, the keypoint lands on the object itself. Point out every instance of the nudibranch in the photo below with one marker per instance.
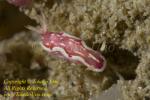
(71, 48)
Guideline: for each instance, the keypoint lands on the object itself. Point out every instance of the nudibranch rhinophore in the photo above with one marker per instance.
(73, 49)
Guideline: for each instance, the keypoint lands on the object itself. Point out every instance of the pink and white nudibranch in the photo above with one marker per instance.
(71, 48)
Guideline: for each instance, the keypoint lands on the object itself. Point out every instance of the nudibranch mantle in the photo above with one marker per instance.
(73, 49)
